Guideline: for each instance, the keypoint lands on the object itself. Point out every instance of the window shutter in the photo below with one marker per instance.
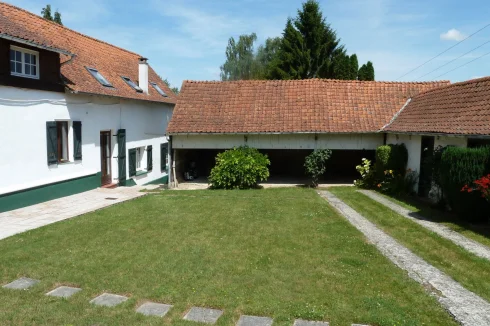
(121, 156)
(132, 162)
(52, 141)
(149, 158)
(163, 156)
(77, 140)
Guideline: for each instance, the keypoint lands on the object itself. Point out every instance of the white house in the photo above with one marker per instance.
(75, 113)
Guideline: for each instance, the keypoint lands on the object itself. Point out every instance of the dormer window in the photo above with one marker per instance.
(97, 75)
(132, 84)
(24, 63)
(158, 89)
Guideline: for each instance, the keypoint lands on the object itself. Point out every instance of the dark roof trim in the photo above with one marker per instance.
(428, 133)
(36, 45)
(275, 133)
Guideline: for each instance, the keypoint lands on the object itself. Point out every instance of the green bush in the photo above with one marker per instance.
(239, 168)
(391, 157)
(368, 178)
(316, 164)
(461, 166)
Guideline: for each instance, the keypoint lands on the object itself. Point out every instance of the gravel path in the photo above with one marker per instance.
(466, 307)
(472, 246)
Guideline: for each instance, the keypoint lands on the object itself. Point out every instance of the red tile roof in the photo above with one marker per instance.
(111, 61)
(460, 108)
(293, 106)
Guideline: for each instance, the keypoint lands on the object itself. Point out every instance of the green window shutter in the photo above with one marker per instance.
(121, 156)
(149, 158)
(77, 140)
(163, 156)
(52, 141)
(132, 162)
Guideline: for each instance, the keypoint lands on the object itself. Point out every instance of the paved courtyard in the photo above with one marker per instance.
(35, 216)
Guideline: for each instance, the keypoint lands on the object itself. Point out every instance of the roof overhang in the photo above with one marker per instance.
(426, 133)
(34, 44)
(272, 133)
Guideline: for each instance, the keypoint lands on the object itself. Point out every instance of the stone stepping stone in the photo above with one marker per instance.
(22, 283)
(254, 321)
(154, 309)
(63, 292)
(108, 300)
(301, 322)
(203, 315)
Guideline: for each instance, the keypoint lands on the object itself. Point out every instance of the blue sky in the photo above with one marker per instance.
(187, 39)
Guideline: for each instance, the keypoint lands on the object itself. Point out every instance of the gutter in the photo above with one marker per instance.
(272, 133)
(427, 133)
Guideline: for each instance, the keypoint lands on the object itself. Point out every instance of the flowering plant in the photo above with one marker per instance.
(482, 185)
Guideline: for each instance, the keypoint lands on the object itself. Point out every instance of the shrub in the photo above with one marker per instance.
(316, 164)
(391, 157)
(459, 167)
(398, 184)
(368, 180)
(239, 168)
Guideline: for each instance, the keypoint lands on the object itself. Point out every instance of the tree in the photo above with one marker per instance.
(309, 46)
(342, 67)
(354, 67)
(267, 57)
(173, 89)
(46, 13)
(316, 164)
(366, 72)
(240, 60)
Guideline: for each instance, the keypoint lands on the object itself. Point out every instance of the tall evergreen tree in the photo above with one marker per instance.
(366, 72)
(354, 67)
(240, 63)
(267, 57)
(342, 67)
(308, 47)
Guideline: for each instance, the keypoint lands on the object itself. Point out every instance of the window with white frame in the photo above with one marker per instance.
(23, 62)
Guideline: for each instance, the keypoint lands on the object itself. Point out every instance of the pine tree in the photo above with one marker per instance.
(354, 67)
(308, 46)
(342, 67)
(370, 71)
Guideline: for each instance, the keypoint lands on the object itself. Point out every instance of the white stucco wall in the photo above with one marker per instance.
(23, 142)
(279, 141)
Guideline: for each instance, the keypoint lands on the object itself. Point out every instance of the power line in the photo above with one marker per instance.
(464, 64)
(453, 60)
(449, 48)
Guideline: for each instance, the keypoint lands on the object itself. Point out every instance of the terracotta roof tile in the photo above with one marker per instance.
(460, 108)
(294, 106)
(111, 61)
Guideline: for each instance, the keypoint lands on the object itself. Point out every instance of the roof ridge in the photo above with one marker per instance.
(461, 83)
(69, 29)
(316, 79)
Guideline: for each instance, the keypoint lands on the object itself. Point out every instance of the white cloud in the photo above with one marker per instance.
(453, 35)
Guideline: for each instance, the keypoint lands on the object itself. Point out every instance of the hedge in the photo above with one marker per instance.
(391, 157)
(459, 167)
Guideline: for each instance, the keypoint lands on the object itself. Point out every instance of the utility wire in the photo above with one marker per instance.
(464, 64)
(453, 60)
(449, 48)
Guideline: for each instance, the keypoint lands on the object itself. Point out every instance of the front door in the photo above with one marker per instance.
(105, 156)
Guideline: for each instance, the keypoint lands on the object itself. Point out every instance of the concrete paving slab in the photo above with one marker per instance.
(254, 321)
(108, 300)
(301, 322)
(203, 315)
(22, 283)
(154, 309)
(63, 292)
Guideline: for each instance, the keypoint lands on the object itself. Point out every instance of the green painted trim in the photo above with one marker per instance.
(40, 194)
(130, 183)
(162, 180)
(138, 173)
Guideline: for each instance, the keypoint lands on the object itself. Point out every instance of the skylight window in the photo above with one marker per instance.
(97, 75)
(132, 84)
(158, 89)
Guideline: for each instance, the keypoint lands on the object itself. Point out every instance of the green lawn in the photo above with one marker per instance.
(283, 253)
(471, 271)
(479, 233)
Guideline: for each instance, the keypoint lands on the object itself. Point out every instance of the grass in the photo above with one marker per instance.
(479, 233)
(283, 253)
(471, 271)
